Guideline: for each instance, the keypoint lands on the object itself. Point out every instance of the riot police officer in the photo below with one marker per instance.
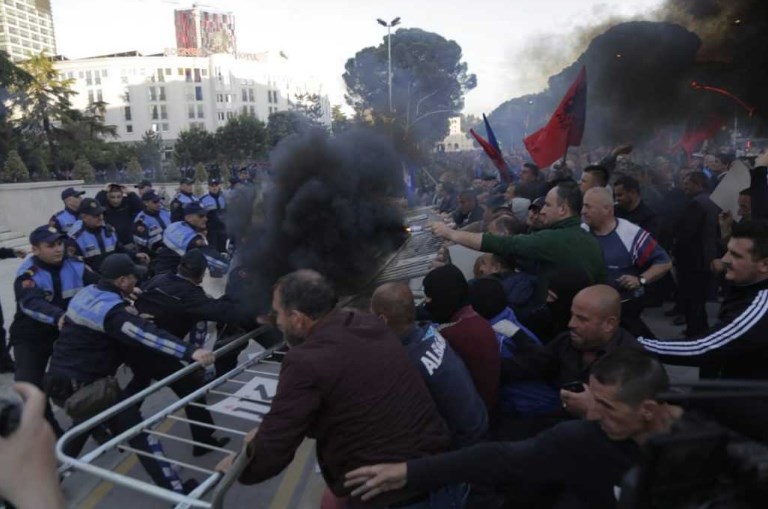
(98, 329)
(184, 197)
(92, 239)
(188, 234)
(215, 203)
(177, 303)
(65, 218)
(44, 285)
(149, 225)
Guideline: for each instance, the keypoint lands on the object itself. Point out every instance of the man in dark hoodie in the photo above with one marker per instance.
(469, 334)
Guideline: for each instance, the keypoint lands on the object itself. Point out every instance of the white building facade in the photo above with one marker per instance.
(169, 94)
(456, 140)
(26, 28)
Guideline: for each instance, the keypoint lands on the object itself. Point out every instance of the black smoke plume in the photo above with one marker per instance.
(332, 207)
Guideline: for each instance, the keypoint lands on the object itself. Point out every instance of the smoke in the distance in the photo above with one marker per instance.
(331, 207)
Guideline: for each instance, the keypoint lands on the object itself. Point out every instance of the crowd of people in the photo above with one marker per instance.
(533, 383)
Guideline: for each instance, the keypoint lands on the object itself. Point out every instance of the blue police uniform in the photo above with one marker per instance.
(43, 292)
(63, 220)
(177, 205)
(179, 238)
(93, 246)
(98, 331)
(216, 205)
(148, 230)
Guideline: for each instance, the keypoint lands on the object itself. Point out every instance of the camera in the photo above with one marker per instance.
(10, 416)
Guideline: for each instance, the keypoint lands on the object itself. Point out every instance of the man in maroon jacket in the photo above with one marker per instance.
(347, 382)
(468, 333)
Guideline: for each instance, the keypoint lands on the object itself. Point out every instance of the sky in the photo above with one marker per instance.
(320, 35)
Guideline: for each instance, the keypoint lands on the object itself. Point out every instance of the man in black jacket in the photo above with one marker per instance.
(587, 459)
(696, 246)
(120, 208)
(736, 348)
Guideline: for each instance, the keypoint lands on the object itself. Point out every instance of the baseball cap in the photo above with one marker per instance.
(91, 207)
(144, 183)
(69, 192)
(213, 181)
(150, 196)
(186, 181)
(45, 233)
(194, 208)
(120, 264)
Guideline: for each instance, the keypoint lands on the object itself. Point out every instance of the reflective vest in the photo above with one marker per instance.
(93, 245)
(89, 308)
(155, 225)
(63, 220)
(70, 275)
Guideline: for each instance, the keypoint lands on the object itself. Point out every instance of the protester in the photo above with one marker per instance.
(630, 206)
(593, 176)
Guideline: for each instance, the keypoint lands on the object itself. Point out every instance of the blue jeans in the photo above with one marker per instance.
(447, 497)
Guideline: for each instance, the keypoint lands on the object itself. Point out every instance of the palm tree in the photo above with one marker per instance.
(44, 101)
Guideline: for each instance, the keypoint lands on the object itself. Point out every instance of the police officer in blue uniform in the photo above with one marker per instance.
(100, 326)
(215, 203)
(185, 235)
(149, 225)
(184, 197)
(64, 219)
(45, 283)
(6, 363)
(92, 239)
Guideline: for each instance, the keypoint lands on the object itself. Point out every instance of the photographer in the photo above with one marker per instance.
(28, 476)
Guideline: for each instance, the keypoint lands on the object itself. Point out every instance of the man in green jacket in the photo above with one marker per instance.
(562, 243)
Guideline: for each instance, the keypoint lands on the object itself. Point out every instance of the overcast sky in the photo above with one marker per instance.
(320, 35)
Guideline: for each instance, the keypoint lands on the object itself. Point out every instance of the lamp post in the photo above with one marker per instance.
(389, 26)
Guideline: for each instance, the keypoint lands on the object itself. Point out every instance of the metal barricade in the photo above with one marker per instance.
(215, 485)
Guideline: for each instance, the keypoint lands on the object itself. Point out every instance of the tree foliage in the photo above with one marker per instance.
(134, 171)
(242, 140)
(310, 105)
(284, 123)
(172, 173)
(194, 146)
(83, 170)
(149, 150)
(429, 80)
(14, 169)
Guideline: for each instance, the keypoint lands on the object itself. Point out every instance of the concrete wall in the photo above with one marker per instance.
(25, 206)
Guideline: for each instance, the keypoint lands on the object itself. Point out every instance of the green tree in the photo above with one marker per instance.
(282, 124)
(83, 170)
(15, 170)
(194, 146)
(310, 105)
(172, 174)
(43, 102)
(242, 140)
(201, 177)
(429, 81)
(150, 150)
(339, 121)
(12, 79)
(134, 170)
(39, 166)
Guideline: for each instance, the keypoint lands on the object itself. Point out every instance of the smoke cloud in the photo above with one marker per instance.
(331, 207)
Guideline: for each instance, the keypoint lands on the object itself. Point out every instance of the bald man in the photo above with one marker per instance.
(442, 369)
(632, 256)
(594, 331)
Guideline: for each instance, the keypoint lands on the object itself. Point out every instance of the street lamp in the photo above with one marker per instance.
(389, 26)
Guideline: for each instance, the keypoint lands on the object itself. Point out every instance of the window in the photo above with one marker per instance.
(167, 71)
(180, 71)
(127, 96)
(253, 110)
(155, 127)
(190, 111)
(245, 95)
(230, 115)
(220, 115)
(205, 73)
(219, 98)
(250, 95)
(90, 97)
(198, 93)
(163, 112)
(88, 78)
(99, 96)
(197, 76)
(199, 111)
(96, 78)
(103, 73)
(127, 113)
(128, 128)
(164, 127)
(154, 112)
(123, 80)
(152, 93)
(160, 75)
(188, 75)
(245, 110)
(162, 93)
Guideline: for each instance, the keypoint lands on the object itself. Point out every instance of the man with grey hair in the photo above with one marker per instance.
(347, 382)
(632, 256)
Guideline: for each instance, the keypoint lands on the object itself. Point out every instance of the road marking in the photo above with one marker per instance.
(292, 476)
(103, 489)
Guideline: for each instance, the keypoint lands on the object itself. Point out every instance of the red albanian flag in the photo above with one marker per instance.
(564, 129)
